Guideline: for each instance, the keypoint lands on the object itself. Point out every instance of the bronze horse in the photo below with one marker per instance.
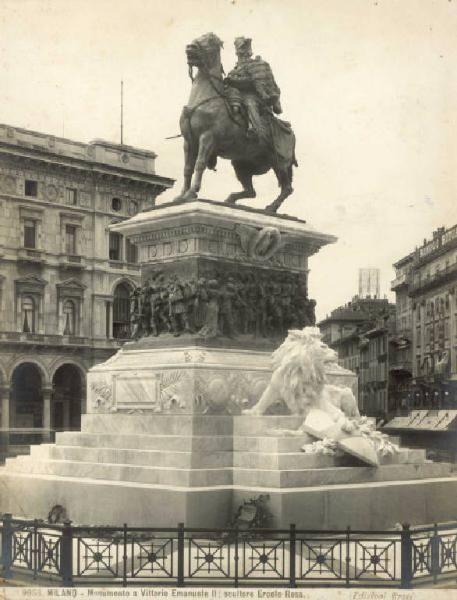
(211, 128)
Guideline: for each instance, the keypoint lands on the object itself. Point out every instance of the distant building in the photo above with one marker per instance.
(400, 363)
(359, 332)
(426, 297)
(369, 283)
(426, 335)
(65, 280)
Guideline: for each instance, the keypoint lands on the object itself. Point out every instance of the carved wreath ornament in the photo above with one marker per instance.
(261, 244)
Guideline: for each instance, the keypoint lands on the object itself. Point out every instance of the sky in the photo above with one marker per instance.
(369, 86)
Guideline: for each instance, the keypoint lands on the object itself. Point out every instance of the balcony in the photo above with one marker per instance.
(43, 338)
(72, 261)
(30, 255)
(401, 367)
(401, 338)
(439, 278)
(399, 281)
(121, 265)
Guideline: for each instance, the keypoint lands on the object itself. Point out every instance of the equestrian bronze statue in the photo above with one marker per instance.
(233, 118)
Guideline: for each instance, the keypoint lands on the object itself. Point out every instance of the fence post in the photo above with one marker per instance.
(124, 557)
(292, 555)
(35, 550)
(66, 554)
(7, 545)
(236, 557)
(406, 557)
(348, 555)
(180, 554)
(435, 544)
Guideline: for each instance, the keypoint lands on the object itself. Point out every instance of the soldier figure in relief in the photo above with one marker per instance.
(154, 302)
(177, 307)
(261, 307)
(210, 328)
(136, 320)
(228, 295)
(200, 302)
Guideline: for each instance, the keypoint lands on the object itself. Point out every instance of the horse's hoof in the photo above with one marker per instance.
(190, 196)
(239, 196)
(271, 208)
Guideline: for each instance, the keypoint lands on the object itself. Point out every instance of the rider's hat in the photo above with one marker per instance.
(243, 44)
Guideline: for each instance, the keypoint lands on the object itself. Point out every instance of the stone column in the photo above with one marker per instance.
(66, 414)
(5, 400)
(47, 397)
(109, 318)
(5, 422)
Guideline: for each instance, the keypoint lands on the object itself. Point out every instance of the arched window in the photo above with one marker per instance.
(116, 204)
(26, 397)
(69, 314)
(121, 312)
(28, 314)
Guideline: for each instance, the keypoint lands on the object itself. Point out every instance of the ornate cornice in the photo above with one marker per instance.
(85, 168)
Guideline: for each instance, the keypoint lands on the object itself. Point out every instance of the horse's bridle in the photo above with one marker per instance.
(206, 70)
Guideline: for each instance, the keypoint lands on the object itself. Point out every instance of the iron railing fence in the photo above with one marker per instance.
(73, 555)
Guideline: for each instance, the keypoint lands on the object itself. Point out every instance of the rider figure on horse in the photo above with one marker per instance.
(253, 85)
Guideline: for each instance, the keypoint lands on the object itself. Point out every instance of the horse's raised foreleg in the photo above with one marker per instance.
(284, 176)
(205, 149)
(190, 156)
(244, 176)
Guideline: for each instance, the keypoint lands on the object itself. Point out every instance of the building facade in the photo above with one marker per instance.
(432, 289)
(65, 280)
(400, 363)
(359, 332)
(426, 367)
(375, 385)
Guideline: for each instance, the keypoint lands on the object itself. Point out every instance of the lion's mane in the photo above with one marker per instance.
(299, 371)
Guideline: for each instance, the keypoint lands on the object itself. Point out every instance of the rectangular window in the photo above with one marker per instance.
(70, 196)
(70, 239)
(115, 246)
(131, 251)
(31, 188)
(29, 234)
(28, 315)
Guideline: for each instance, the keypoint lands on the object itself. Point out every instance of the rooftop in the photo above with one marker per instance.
(358, 310)
(97, 152)
(442, 239)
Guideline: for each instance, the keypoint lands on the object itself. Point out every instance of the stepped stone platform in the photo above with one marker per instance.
(162, 469)
(162, 441)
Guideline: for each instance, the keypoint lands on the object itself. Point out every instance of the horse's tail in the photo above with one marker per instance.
(294, 156)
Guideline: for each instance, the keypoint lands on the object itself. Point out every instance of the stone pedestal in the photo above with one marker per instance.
(241, 278)
(205, 238)
(164, 441)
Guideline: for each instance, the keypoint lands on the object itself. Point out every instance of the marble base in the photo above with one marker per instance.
(163, 469)
(180, 379)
